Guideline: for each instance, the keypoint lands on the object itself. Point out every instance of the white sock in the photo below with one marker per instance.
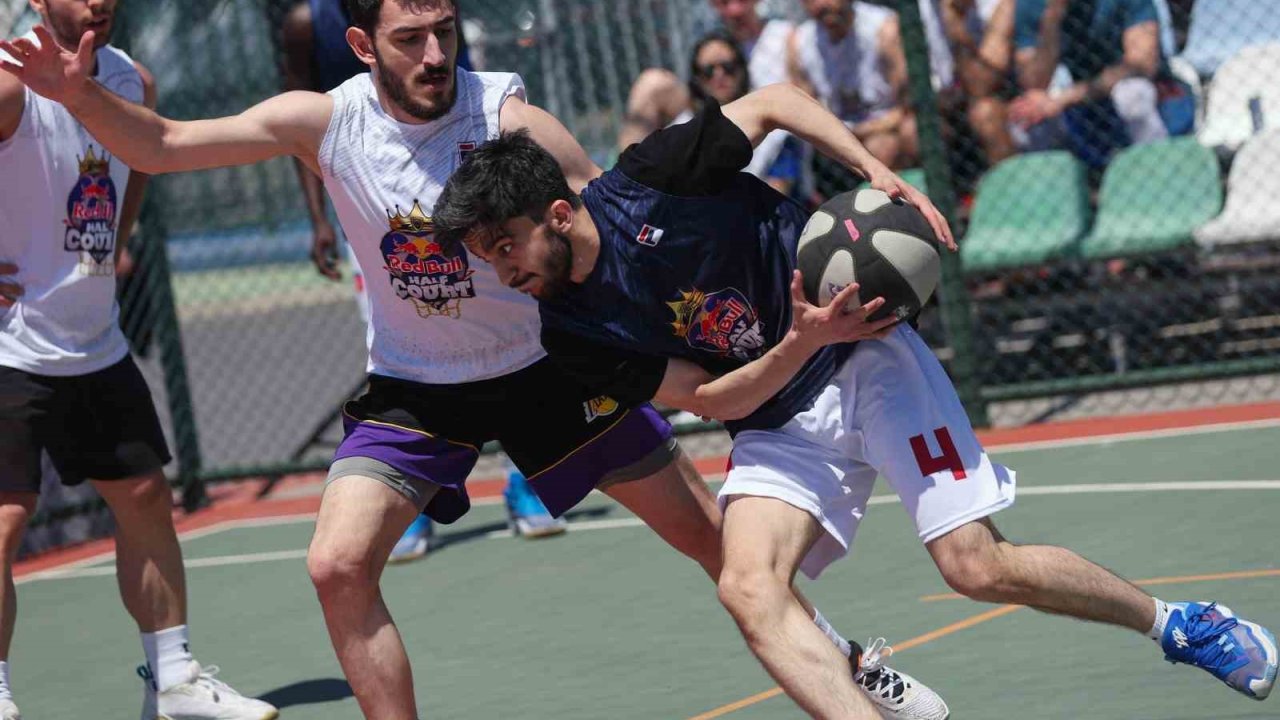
(169, 656)
(1162, 618)
(5, 692)
(841, 644)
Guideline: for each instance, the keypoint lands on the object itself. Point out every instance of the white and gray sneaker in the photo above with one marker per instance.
(897, 695)
(9, 711)
(203, 697)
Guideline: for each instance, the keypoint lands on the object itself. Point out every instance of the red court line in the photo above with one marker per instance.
(238, 501)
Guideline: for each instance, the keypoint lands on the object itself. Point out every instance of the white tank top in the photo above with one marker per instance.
(58, 210)
(847, 75)
(435, 318)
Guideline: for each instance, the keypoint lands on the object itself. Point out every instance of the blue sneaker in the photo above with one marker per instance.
(525, 512)
(1237, 652)
(415, 542)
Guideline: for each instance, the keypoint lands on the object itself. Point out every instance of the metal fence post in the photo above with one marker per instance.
(953, 299)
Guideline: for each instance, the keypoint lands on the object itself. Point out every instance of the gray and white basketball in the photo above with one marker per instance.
(884, 245)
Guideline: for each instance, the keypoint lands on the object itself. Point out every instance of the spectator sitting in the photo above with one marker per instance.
(849, 56)
(1111, 48)
(658, 96)
(980, 37)
(718, 74)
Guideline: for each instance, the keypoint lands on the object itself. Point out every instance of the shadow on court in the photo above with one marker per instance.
(309, 692)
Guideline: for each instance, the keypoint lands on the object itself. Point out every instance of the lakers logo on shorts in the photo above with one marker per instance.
(602, 406)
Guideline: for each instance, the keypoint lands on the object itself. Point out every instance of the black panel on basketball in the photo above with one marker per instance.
(885, 245)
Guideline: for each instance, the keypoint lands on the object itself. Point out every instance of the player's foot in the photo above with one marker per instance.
(9, 711)
(203, 697)
(415, 542)
(526, 513)
(897, 695)
(1240, 653)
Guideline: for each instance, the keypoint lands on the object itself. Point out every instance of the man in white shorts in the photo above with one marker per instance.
(455, 358)
(68, 388)
(675, 268)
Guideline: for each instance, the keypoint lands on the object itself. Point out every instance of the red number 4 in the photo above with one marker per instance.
(948, 460)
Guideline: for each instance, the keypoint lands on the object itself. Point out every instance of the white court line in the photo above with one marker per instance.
(617, 523)
(1133, 436)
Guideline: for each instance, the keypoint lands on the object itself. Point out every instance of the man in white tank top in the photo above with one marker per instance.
(68, 387)
(455, 355)
(849, 56)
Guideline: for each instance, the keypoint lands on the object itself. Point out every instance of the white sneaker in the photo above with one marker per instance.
(204, 697)
(897, 695)
(9, 711)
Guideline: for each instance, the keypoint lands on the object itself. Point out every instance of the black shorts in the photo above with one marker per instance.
(100, 426)
(417, 437)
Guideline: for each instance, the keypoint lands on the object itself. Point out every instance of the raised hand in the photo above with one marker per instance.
(895, 187)
(840, 321)
(46, 68)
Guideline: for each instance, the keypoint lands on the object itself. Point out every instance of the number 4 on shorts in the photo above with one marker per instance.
(948, 460)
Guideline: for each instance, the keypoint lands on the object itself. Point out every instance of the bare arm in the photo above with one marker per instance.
(137, 185)
(737, 394)
(1036, 65)
(1141, 59)
(516, 114)
(656, 98)
(786, 107)
(12, 103)
(981, 65)
(795, 69)
(290, 124)
(299, 74)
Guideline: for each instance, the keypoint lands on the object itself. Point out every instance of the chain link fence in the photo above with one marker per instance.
(1116, 208)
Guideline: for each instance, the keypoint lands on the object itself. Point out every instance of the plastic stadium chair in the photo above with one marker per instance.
(1153, 197)
(1248, 77)
(1220, 29)
(1252, 213)
(1029, 210)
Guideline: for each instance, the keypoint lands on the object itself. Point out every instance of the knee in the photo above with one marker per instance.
(986, 116)
(148, 497)
(1134, 97)
(977, 578)
(972, 562)
(336, 572)
(751, 595)
(14, 516)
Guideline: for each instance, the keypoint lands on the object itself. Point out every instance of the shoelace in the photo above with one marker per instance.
(1203, 632)
(874, 677)
(206, 677)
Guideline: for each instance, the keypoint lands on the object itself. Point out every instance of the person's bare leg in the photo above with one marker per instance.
(990, 122)
(676, 503)
(764, 541)
(16, 509)
(885, 147)
(977, 562)
(148, 557)
(360, 520)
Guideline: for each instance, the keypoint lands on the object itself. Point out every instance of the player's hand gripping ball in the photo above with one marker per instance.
(884, 245)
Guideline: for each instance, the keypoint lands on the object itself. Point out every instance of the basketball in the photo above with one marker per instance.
(884, 245)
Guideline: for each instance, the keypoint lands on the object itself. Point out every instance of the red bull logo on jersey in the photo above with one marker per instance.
(721, 322)
(91, 216)
(420, 271)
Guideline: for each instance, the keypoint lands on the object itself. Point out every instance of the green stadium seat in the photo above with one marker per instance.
(1030, 209)
(1153, 197)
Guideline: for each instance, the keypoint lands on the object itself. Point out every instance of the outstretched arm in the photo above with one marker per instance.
(289, 124)
(786, 107)
(546, 130)
(137, 185)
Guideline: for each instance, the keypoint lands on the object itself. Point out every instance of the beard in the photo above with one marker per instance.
(397, 89)
(556, 270)
(68, 33)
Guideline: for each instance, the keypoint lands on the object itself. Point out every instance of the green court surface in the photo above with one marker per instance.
(607, 622)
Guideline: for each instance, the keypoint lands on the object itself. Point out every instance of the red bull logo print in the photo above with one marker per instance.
(91, 216)
(721, 322)
(419, 270)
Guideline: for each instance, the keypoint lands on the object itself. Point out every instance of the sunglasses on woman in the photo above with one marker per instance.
(708, 71)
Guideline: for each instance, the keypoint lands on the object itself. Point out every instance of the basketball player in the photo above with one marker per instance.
(68, 386)
(455, 357)
(674, 268)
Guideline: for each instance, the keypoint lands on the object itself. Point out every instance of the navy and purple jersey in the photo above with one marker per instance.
(695, 263)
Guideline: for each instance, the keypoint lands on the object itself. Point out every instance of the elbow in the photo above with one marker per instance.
(718, 408)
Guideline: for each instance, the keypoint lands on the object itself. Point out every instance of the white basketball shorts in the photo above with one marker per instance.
(890, 410)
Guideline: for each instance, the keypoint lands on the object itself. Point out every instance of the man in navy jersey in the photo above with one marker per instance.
(673, 277)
